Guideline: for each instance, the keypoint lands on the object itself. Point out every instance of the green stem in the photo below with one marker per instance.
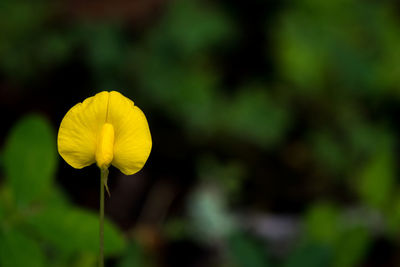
(103, 179)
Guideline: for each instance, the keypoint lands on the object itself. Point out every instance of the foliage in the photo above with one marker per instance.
(258, 110)
(37, 220)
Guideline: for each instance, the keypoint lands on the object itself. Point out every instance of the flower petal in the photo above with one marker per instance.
(132, 143)
(79, 129)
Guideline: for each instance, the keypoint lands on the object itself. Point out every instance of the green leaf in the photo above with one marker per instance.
(245, 251)
(393, 216)
(1, 211)
(329, 151)
(345, 241)
(76, 231)
(201, 34)
(309, 255)
(30, 158)
(255, 116)
(313, 53)
(352, 246)
(134, 255)
(376, 180)
(18, 250)
(322, 223)
(86, 260)
(21, 28)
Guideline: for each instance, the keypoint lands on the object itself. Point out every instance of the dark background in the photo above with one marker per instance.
(274, 127)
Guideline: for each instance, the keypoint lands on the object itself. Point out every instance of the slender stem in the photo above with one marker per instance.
(103, 178)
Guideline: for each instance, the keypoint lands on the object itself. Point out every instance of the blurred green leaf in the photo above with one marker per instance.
(196, 98)
(309, 255)
(134, 256)
(75, 231)
(18, 17)
(323, 223)
(329, 151)
(297, 61)
(86, 260)
(255, 116)
(173, 33)
(106, 51)
(352, 247)
(20, 24)
(53, 48)
(1, 159)
(190, 98)
(245, 251)
(377, 178)
(175, 67)
(393, 215)
(19, 250)
(56, 199)
(30, 158)
(347, 243)
(315, 56)
(7, 205)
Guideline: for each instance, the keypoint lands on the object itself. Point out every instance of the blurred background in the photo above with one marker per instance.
(274, 125)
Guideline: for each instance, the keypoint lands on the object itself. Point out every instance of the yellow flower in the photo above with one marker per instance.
(107, 129)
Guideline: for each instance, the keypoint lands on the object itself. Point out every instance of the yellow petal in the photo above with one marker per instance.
(79, 130)
(132, 143)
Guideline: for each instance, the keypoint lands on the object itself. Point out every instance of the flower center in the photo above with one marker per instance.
(105, 146)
